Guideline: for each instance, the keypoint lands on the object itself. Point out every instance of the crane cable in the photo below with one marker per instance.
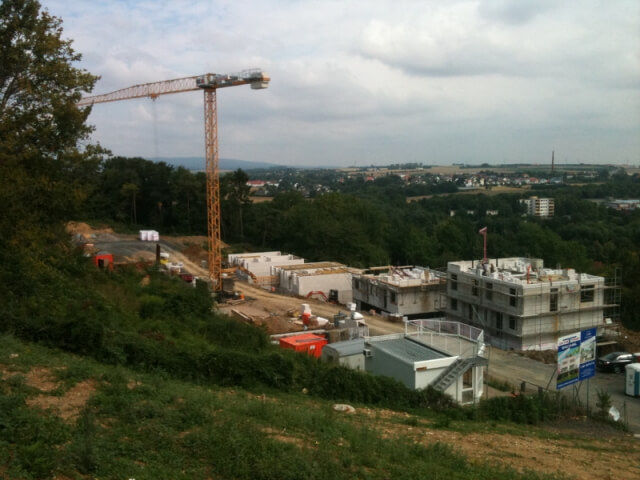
(155, 128)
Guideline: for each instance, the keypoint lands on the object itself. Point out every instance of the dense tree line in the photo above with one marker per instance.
(374, 224)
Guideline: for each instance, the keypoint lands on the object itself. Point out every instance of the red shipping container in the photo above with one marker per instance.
(306, 342)
(103, 260)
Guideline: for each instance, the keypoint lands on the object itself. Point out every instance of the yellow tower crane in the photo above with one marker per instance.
(209, 83)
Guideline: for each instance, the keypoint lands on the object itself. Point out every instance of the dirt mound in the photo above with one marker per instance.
(544, 356)
(630, 340)
(86, 229)
(195, 253)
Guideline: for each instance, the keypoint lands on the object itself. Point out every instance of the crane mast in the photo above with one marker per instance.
(209, 83)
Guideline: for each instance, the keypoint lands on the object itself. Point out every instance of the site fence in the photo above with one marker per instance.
(446, 329)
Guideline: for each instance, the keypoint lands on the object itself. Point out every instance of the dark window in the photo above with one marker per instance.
(489, 290)
(512, 322)
(498, 320)
(467, 378)
(587, 293)
(474, 288)
(356, 284)
(553, 300)
(470, 312)
(512, 299)
(454, 304)
(393, 297)
(454, 281)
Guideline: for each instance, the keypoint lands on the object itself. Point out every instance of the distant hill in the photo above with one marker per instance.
(197, 163)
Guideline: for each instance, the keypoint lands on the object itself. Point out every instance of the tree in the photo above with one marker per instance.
(40, 125)
(42, 171)
(234, 193)
(130, 190)
(39, 86)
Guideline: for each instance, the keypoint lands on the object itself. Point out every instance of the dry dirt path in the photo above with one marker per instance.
(263, 302)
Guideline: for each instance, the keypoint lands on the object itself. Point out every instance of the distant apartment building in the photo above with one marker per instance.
(623, 205)
(412, 292)
(520, 304)
(539, 207)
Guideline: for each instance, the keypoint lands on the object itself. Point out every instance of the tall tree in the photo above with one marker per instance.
(40, 125)
(234, 193)
(41, 169)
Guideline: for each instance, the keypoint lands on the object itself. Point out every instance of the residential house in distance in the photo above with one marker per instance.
(519, 304)
(539, 207)
(412, 292)
(623, 205)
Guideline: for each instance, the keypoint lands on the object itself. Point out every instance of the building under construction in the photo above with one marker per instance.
(522, 305)
(412, 292)
(256, 268)
(329, 281)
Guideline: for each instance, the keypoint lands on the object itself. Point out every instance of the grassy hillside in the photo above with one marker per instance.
(67, 416)
(70, 416)
(130, 374)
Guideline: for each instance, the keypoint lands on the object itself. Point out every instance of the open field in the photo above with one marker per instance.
(493, 191)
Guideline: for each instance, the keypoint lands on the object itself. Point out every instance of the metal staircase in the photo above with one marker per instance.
(457, 368)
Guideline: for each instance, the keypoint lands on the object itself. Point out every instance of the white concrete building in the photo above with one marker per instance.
(522, 305)
(539, 207)
(330, 280)
(412, 292)
(256, 267)
(442, 354)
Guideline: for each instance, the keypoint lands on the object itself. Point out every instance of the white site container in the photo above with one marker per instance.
(632, 379)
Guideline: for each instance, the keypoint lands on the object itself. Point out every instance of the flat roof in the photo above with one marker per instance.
(311, 265)
(404, 277)
(348, 347)
(519, 270)
(303, 338)
(408, 350)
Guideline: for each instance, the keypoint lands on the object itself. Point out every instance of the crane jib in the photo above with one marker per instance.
(208, 82)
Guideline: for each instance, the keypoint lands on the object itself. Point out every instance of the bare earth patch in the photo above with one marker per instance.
(601, 456)
(67, 406)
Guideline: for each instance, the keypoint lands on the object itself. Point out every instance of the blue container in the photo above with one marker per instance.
(632, 379)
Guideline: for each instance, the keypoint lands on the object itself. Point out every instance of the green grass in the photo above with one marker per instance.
(151, 426)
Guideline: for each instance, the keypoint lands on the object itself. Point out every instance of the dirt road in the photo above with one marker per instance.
(261, 302)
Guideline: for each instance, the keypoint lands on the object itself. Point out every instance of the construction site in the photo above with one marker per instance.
(522, 305)
(513, 304)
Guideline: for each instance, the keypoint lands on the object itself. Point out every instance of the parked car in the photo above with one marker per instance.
(614, 361)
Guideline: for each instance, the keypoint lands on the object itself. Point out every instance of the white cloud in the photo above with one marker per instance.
(375, 81)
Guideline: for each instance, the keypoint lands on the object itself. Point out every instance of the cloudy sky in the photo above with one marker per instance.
(361, 82)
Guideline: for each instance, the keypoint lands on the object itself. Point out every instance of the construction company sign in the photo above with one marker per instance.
(576, 357)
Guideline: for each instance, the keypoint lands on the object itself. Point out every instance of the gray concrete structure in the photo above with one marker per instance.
(348, 354)
(305, 279)
(256, 267)
(412, 292)
(522, 305)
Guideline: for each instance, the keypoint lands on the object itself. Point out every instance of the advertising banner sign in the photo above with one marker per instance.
(576, 357)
